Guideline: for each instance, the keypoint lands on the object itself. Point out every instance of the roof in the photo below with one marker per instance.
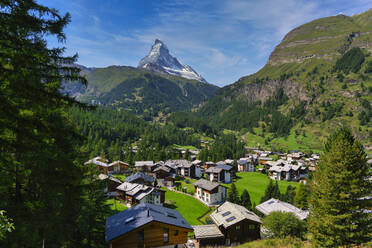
(134, 177)
(210, 163)
(273, 205)
(207, 231)
(214, 170)
(196, 162)
(182, 163)
(229, 161)
(205, 184)
(163, 168)
(139, 215)
(286, 168)
(144, 163)
(244, 160)
(229, 214)
(117, 162)
(224, 167)
(98, 161)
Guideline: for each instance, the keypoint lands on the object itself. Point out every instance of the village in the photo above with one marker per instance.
(142, 191)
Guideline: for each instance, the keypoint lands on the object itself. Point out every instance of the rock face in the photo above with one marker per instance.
(159, 60)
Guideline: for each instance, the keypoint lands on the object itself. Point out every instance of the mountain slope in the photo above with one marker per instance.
(159, 60)
(317, 78)
(140, 91)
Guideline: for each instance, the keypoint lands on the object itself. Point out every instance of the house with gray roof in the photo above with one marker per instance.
(246, 164)
(221, 173)
(140, 178)
(147, 225)
(210, 193)
(145, 166)
(134, 193)
(273, 205)
(234, 222)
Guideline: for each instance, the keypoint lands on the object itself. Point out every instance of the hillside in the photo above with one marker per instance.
(140, 91)
(317, 78)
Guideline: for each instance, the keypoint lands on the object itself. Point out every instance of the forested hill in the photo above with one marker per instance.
(318, 77)
(140, 91)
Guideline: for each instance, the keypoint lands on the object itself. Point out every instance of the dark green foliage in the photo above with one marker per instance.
(40, 164)
(340, 183)
(289, 194)
(245, 200)
(331, 110)
(225, 146)
(282, 224)
(271, 191)
(301, 198)
(183, 119)
(233, 195)
(350, 61)
(369, 67)
(366, 114)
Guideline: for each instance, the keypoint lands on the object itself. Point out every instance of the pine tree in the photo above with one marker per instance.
(233, 195)
(301, 198)
(276, 191)
(268, 192)
(339, 186)
(40, 183)
(289, 194)
(245, 200)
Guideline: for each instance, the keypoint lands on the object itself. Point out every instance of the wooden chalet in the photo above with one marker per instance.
(236, 223)
(133, 193)
(118, 167)
(105, 168)
(165, 176)
(147, 225)
(145, 166)
(140, 178)
(220, 174)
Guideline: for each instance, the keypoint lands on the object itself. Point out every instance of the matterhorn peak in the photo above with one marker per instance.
(159, 60)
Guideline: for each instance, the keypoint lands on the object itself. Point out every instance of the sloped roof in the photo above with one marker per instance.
(144, 163)
(134, 177)
(117, 162)
(163, 168)
(224, 167)
(207, 231)
(98, 161)
(205, 184)
(139, 215)
(273, 205)
(229, 214)
(214, 170)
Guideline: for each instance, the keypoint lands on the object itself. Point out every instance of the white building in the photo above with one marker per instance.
(273, 205)
(209, 192)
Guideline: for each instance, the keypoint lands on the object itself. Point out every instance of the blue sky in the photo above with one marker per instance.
(222, 40)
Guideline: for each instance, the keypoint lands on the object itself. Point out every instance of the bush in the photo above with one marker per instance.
(282, 224)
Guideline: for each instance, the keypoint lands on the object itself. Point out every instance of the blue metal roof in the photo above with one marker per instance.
(133, 177)
(139, 215)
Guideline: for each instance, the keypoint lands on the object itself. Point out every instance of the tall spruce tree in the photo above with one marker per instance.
(41, 176)
(340, 183)
(233, 195)
(245, 200)
(301, 198)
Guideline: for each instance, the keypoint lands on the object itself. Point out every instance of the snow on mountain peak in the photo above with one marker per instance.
(159, 60)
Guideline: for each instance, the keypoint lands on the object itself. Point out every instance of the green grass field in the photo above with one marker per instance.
(115, 205)
(190, 208)
(120, 177)
(187, 182)
(256, 184)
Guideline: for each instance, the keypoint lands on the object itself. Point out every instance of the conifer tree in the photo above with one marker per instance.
(301, 198)
(233, 195)
(340, 183)
(268, 192)
(289, 195)
(245, 200)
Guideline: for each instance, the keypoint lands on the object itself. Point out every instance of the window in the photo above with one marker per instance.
(175, 232)
(237, 227)
(166, 235)
(141, 235)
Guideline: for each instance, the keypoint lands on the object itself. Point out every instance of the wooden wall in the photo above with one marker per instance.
(153, 236)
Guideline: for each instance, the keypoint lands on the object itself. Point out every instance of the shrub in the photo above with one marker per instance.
(282, 224)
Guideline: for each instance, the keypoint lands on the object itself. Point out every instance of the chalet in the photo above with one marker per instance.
(118, 167)
(246, 164)
(236, 223)
(288, 172)
(165, 176)
(220, 173)
(264, 160)
(111, 183)
(229, 162)
(140, 178)
(147, 225)
(172, 166)
(209, 164)
(210, 193)
(187, 169)
(134, 193)
(273, 205)
(208, 235)
(101, 163)
(145, 166)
